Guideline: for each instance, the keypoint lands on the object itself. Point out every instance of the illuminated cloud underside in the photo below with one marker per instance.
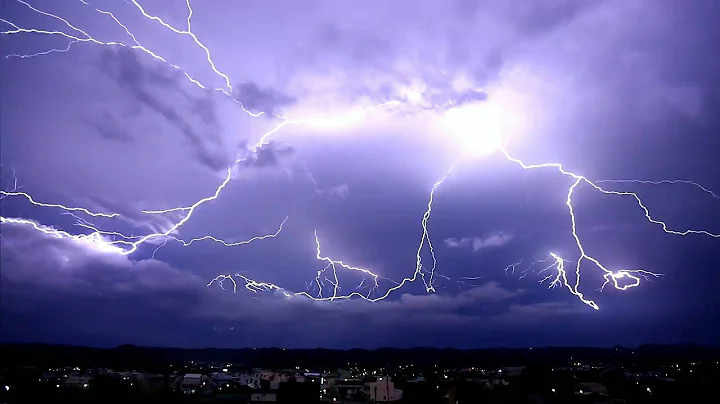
(476, 129)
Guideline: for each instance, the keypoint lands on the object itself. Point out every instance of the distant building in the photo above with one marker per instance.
(344, 389)
(250, 379)
(191, 382)
(343, 374)
(591, 389)
(279, 377)
(77, 380)
(383, 390)
(221, 378)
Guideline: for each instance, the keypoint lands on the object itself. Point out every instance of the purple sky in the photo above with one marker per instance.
(624, 89)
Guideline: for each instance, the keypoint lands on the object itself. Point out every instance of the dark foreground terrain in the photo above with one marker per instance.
(141, 357)
(646, 374)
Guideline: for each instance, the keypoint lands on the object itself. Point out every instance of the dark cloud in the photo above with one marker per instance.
(109, 128)
(108, 299)
(268, 155)
(158, 88)
(98, 291)
(257, 99)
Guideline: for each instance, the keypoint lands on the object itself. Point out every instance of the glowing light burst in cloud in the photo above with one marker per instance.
(474, 130)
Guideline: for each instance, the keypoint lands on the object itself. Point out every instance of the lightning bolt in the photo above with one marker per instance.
(687, 182)
(53, 205)
(512, 267)
(335, 263)
(98, 235)
(234, 243)
(116, 242)
(611, 277)
(81, 36)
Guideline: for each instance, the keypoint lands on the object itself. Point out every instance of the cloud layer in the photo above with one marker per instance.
(478, 243)
(612, 89)
(113, 300)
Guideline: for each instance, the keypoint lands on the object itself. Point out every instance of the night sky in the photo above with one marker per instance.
(617, 89)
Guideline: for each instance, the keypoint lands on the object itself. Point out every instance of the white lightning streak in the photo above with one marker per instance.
(693, 183)
(53, 205)
(129, 244)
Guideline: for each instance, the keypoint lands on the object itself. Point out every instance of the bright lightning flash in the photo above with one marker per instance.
(476, 129)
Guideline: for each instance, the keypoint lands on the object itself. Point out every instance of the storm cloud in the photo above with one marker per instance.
(157, 87)
(609, 89)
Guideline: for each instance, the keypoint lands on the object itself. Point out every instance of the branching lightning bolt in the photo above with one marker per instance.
(119, 243)
(132, 242)
(693, 183)
(53, 205)
(512, 267)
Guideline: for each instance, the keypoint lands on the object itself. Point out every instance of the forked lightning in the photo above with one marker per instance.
(118, 243)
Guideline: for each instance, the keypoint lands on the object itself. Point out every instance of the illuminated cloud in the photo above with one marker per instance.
(478, 243)
(586, 96)
(39, 271)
